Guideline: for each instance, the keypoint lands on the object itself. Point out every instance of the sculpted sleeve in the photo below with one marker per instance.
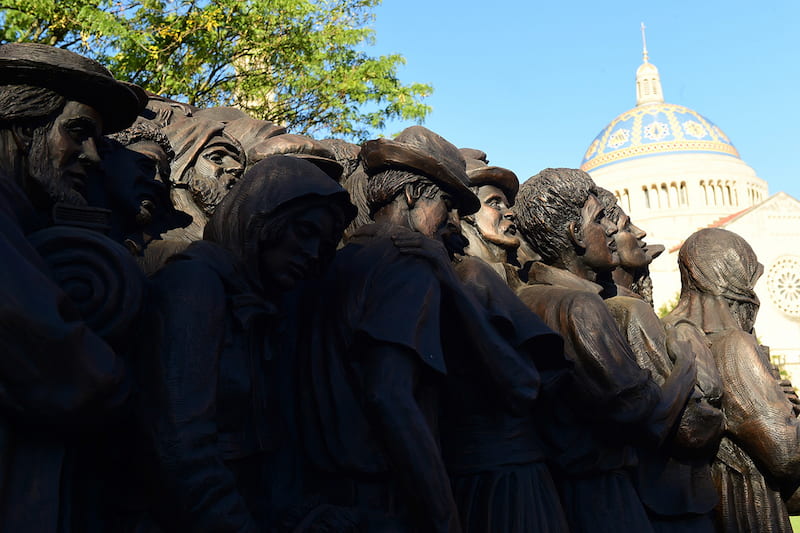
(609, 384)
(183, 392)
(53, 368)
(759, 417)
(400, 303)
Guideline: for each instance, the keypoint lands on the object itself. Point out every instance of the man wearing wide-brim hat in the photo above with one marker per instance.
(54, 107)
(58, 378)
(382, 308)
(380, 311)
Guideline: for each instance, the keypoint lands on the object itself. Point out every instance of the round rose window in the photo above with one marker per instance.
(783, 284)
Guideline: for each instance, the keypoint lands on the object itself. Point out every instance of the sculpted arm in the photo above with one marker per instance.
(53, 368)
(513, 374)
(184, 392)
(391, 375)
(609, 384)
(760, 418)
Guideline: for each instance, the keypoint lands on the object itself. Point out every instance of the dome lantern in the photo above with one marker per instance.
(648, 82)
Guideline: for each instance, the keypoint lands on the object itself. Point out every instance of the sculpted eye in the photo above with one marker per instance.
(214, 157)
(79, 132)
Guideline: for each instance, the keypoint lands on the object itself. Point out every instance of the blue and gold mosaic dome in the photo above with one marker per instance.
(655, 129)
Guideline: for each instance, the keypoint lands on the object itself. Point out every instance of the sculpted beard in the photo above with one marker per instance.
(44, 180)
(207, 192)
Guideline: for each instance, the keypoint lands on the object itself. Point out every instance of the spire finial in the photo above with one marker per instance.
(644, 44)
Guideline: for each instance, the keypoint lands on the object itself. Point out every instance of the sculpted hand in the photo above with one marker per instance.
(685, 360)
(791, 395)
(431, 250)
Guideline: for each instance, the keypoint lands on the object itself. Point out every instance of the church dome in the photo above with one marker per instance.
(655, 129)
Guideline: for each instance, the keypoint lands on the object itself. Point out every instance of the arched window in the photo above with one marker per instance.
(626, 200)
(664, 195)
(705, 191)
(646, 195)
(673, 194)
(683, 196)
(721, 192)
(656, 196)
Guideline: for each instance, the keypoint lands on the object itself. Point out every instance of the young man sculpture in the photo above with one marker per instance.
(612, 402)
(492, 232)
(494, 455)
(376, 360)
(674, 479)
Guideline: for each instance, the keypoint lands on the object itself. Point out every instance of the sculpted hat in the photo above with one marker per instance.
(419, 150)
(303, 147)
(73, 76)
(480, 173)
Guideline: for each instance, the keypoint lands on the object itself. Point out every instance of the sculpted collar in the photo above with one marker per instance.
(543, 274)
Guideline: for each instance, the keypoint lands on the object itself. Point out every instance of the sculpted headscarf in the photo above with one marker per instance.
(272, 183)
(716, 265)
(188, 139)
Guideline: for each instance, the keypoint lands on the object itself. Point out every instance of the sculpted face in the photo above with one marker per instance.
(597, 237)
(433, 216)
(630, 243)
(495, 220)
(217, 168)
(62, 158)
(137, 178)
(309, 240)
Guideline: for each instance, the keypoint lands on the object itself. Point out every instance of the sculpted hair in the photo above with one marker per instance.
(144, 131)
(25, 103)
(545, 206)
(609, 202)
(384, 186)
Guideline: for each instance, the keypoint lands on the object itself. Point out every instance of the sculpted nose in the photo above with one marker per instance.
(89, 155)
(453, 217)
(610, 228)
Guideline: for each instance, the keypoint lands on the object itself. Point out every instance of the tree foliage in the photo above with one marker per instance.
(302, 63)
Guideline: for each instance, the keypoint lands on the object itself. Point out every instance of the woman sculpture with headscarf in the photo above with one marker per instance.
(215, 419)
(759, 457)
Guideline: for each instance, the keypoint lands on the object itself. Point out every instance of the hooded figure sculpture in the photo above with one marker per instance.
(213, 418)
(759, 457)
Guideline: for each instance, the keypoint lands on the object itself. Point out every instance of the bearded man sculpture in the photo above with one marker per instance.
(57, 373)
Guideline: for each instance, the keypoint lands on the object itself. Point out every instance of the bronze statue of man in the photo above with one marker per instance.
(494, 454)
(376, 361)
(674, 478)
(632, 276)
(613, 403)
(378, 313)
(59, 377)
(492, 232)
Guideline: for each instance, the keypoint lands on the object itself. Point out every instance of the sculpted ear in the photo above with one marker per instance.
(411, 199)
(575, 234)
(23, 136)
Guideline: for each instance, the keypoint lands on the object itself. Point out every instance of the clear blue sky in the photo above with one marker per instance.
(532, 83)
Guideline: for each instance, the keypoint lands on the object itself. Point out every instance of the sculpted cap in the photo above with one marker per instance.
(480, 173)
(419, 150)
(75, 77)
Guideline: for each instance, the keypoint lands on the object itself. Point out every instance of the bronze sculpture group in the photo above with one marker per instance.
(210, 324)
